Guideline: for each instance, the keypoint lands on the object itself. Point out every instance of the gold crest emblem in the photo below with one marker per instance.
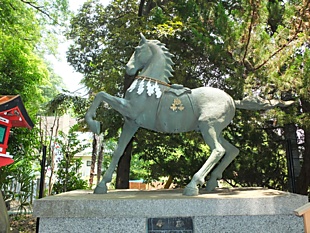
(177, 105)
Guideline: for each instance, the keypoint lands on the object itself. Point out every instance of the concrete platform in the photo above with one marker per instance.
(225, 210)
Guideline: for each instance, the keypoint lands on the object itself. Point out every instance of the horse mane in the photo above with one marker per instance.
(167, 55)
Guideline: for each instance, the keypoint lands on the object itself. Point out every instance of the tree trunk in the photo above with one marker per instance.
(66, 174)
(303, 181)
(123, 168)
(52, 153)
(100, 159)
(292, 155)
(93, 161)
(169, 182)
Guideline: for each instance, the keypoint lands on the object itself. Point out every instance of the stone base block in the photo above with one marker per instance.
(235, 210)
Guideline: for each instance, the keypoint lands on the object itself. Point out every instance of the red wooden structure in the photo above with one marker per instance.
(12, 114)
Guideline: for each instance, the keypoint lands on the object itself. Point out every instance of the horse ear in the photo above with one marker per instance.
(142, 38)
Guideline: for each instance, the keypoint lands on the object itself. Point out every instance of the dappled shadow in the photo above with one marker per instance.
(231, 191)
(244, 191)
(240, 192)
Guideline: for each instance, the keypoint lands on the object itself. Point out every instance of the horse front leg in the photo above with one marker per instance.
(94, 125)
(128, 132)
(119, 104)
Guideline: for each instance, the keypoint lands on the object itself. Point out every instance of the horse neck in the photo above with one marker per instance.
(155, 68)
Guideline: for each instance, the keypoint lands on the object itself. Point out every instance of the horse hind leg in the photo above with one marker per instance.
(216, 174)
(211, 137)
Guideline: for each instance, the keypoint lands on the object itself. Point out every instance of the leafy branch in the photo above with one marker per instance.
(289, 41)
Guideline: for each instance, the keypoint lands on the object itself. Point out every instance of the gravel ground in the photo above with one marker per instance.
(22, 223)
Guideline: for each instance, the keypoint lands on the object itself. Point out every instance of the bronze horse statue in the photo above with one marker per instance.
(152, 103)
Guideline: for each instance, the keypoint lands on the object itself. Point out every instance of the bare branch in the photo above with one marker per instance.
(280, 49)
(297, 30)
(249, 33)
(38, 8)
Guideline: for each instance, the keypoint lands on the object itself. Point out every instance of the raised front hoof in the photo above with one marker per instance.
(189, 191)
(94, 126)
(100, 190)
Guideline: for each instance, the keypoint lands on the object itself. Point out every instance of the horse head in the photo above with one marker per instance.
(140, 57)
(152, 59)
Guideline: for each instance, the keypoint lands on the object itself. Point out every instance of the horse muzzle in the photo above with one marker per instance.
(130, 69)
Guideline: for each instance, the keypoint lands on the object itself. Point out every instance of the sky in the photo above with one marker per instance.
(61, 67)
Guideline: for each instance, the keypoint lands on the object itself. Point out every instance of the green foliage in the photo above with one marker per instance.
(21, 69)
(24, 146)
(68, 178)
(18, 21)
(262, 159)
(50, 89)
(95, 31)
(176, 155)
(67, 175)
(64, 102)
(26, 36)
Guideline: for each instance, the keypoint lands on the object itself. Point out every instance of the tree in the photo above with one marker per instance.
(57, 107)
(68, 177)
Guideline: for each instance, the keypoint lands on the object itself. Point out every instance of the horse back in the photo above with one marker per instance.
(181, 110)
(213, 105)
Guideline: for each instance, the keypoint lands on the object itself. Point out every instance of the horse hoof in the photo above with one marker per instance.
(189, 191)
(94, 127)
(100, 190)
(211, 185)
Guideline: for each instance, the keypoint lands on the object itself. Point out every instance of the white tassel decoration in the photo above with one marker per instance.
(141, 87)
(133, 86)
(157, 91)
(150, 88)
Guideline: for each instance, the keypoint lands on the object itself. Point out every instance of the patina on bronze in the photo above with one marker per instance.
(151, 103)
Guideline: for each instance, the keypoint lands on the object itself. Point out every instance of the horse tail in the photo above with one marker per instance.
(257, 103)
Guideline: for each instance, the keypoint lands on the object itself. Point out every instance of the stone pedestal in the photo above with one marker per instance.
(236, 210)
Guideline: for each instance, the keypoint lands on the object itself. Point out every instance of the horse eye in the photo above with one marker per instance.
(138, 48)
